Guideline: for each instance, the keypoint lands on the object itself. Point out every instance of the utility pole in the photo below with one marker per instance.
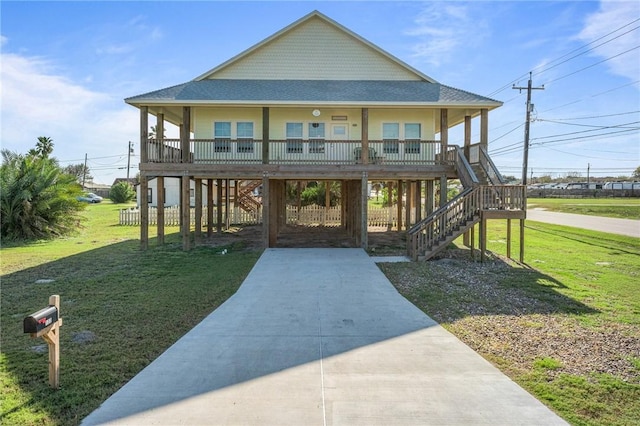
(84, 171)
(588, 169)
(130, 151)
(526, 126)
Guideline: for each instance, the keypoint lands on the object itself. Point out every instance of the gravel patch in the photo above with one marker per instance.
(513, 326)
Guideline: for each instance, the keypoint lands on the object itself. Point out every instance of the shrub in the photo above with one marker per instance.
(122, 192)
(37, 199)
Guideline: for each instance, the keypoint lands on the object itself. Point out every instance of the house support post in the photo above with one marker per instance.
(444, 135)
(443, 190)
(365, 136)
(185, 212)
(209, 207)
(483, 238)
(467, 154)
(298, 200)
(400, 189)
(265, 135)
(390, 206)
(160, 208)
(419, 201)
(467, 136)
(343, 207)
(219, 205)
(160, 135)
(364, 220)
(198, 212)
(327, 201)
(185, 181)
(484, 128)
(144, 212)
(144, 183)
(144, 134)
(509, 238)
(430, 191)
(266, 207)
(522, 240)
(473, 242)
(408, 204)
(275, 207)
(227, 204)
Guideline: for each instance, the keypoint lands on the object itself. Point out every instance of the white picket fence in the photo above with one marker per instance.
(309, 215)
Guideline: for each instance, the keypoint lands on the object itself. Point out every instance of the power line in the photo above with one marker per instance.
(506, 86)
(592, 65)
(587, 156)
(593, 96)
(582, 137)
(594, 116)
(581, 125)
(592, 48)
(619, 126)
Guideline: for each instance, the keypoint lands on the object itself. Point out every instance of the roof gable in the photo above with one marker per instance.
(315, 48)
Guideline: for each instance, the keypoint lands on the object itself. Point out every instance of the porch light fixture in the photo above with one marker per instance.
(316, 113)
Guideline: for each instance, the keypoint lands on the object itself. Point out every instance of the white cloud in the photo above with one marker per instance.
(37, 102)
(611, 16)
(3, 40)
(443, 27)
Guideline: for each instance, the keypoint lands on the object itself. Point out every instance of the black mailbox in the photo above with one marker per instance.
(41, 319)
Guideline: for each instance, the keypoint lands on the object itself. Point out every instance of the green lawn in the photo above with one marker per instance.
(565, 326)
(624, 208)
(556, 325)
(121, 307)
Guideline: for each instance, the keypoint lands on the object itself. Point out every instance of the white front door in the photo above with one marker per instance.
(340, 132)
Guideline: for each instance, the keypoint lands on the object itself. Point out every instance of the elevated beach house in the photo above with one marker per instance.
(317, 102)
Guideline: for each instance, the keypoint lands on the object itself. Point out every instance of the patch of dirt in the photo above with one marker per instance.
(514, 327)
(381, 241)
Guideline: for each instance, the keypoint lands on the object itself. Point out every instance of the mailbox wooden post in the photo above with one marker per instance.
(46, 323)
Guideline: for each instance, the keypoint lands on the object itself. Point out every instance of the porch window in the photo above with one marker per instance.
(412, 138)
(390, 137)
(294, 138)
(245, 136)
(222, 136)
(316, 138)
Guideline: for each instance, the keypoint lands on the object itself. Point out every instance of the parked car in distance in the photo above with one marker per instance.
(90, 198)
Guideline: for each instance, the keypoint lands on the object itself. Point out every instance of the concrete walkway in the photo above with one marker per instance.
(628, 227)
(320, 337)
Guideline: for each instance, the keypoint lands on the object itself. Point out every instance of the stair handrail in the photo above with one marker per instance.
(466, 174)
(490, 168)
(439, 210)
(444, 220)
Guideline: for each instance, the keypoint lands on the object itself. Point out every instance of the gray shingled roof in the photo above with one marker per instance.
(225, 91)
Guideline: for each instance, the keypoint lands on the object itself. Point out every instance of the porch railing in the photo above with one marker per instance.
(295, 151)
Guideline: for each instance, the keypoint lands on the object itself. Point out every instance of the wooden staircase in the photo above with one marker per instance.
(244, 195)
(484, 196)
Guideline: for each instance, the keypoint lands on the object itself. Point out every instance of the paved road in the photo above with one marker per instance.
(320, 337)
(627, 227)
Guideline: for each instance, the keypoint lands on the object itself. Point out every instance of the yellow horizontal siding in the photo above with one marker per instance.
(316, 51)
(278, 117)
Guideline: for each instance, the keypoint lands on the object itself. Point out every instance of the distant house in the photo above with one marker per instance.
(98, 189)
(315, 101)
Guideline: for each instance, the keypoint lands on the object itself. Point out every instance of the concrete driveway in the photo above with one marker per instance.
(320, 337)
(628, 227)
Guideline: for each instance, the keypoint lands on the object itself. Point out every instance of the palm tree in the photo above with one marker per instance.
(153, 134)
(37, 199)
(44, 147)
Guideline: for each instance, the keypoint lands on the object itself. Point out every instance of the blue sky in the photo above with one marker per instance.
(67, 66)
